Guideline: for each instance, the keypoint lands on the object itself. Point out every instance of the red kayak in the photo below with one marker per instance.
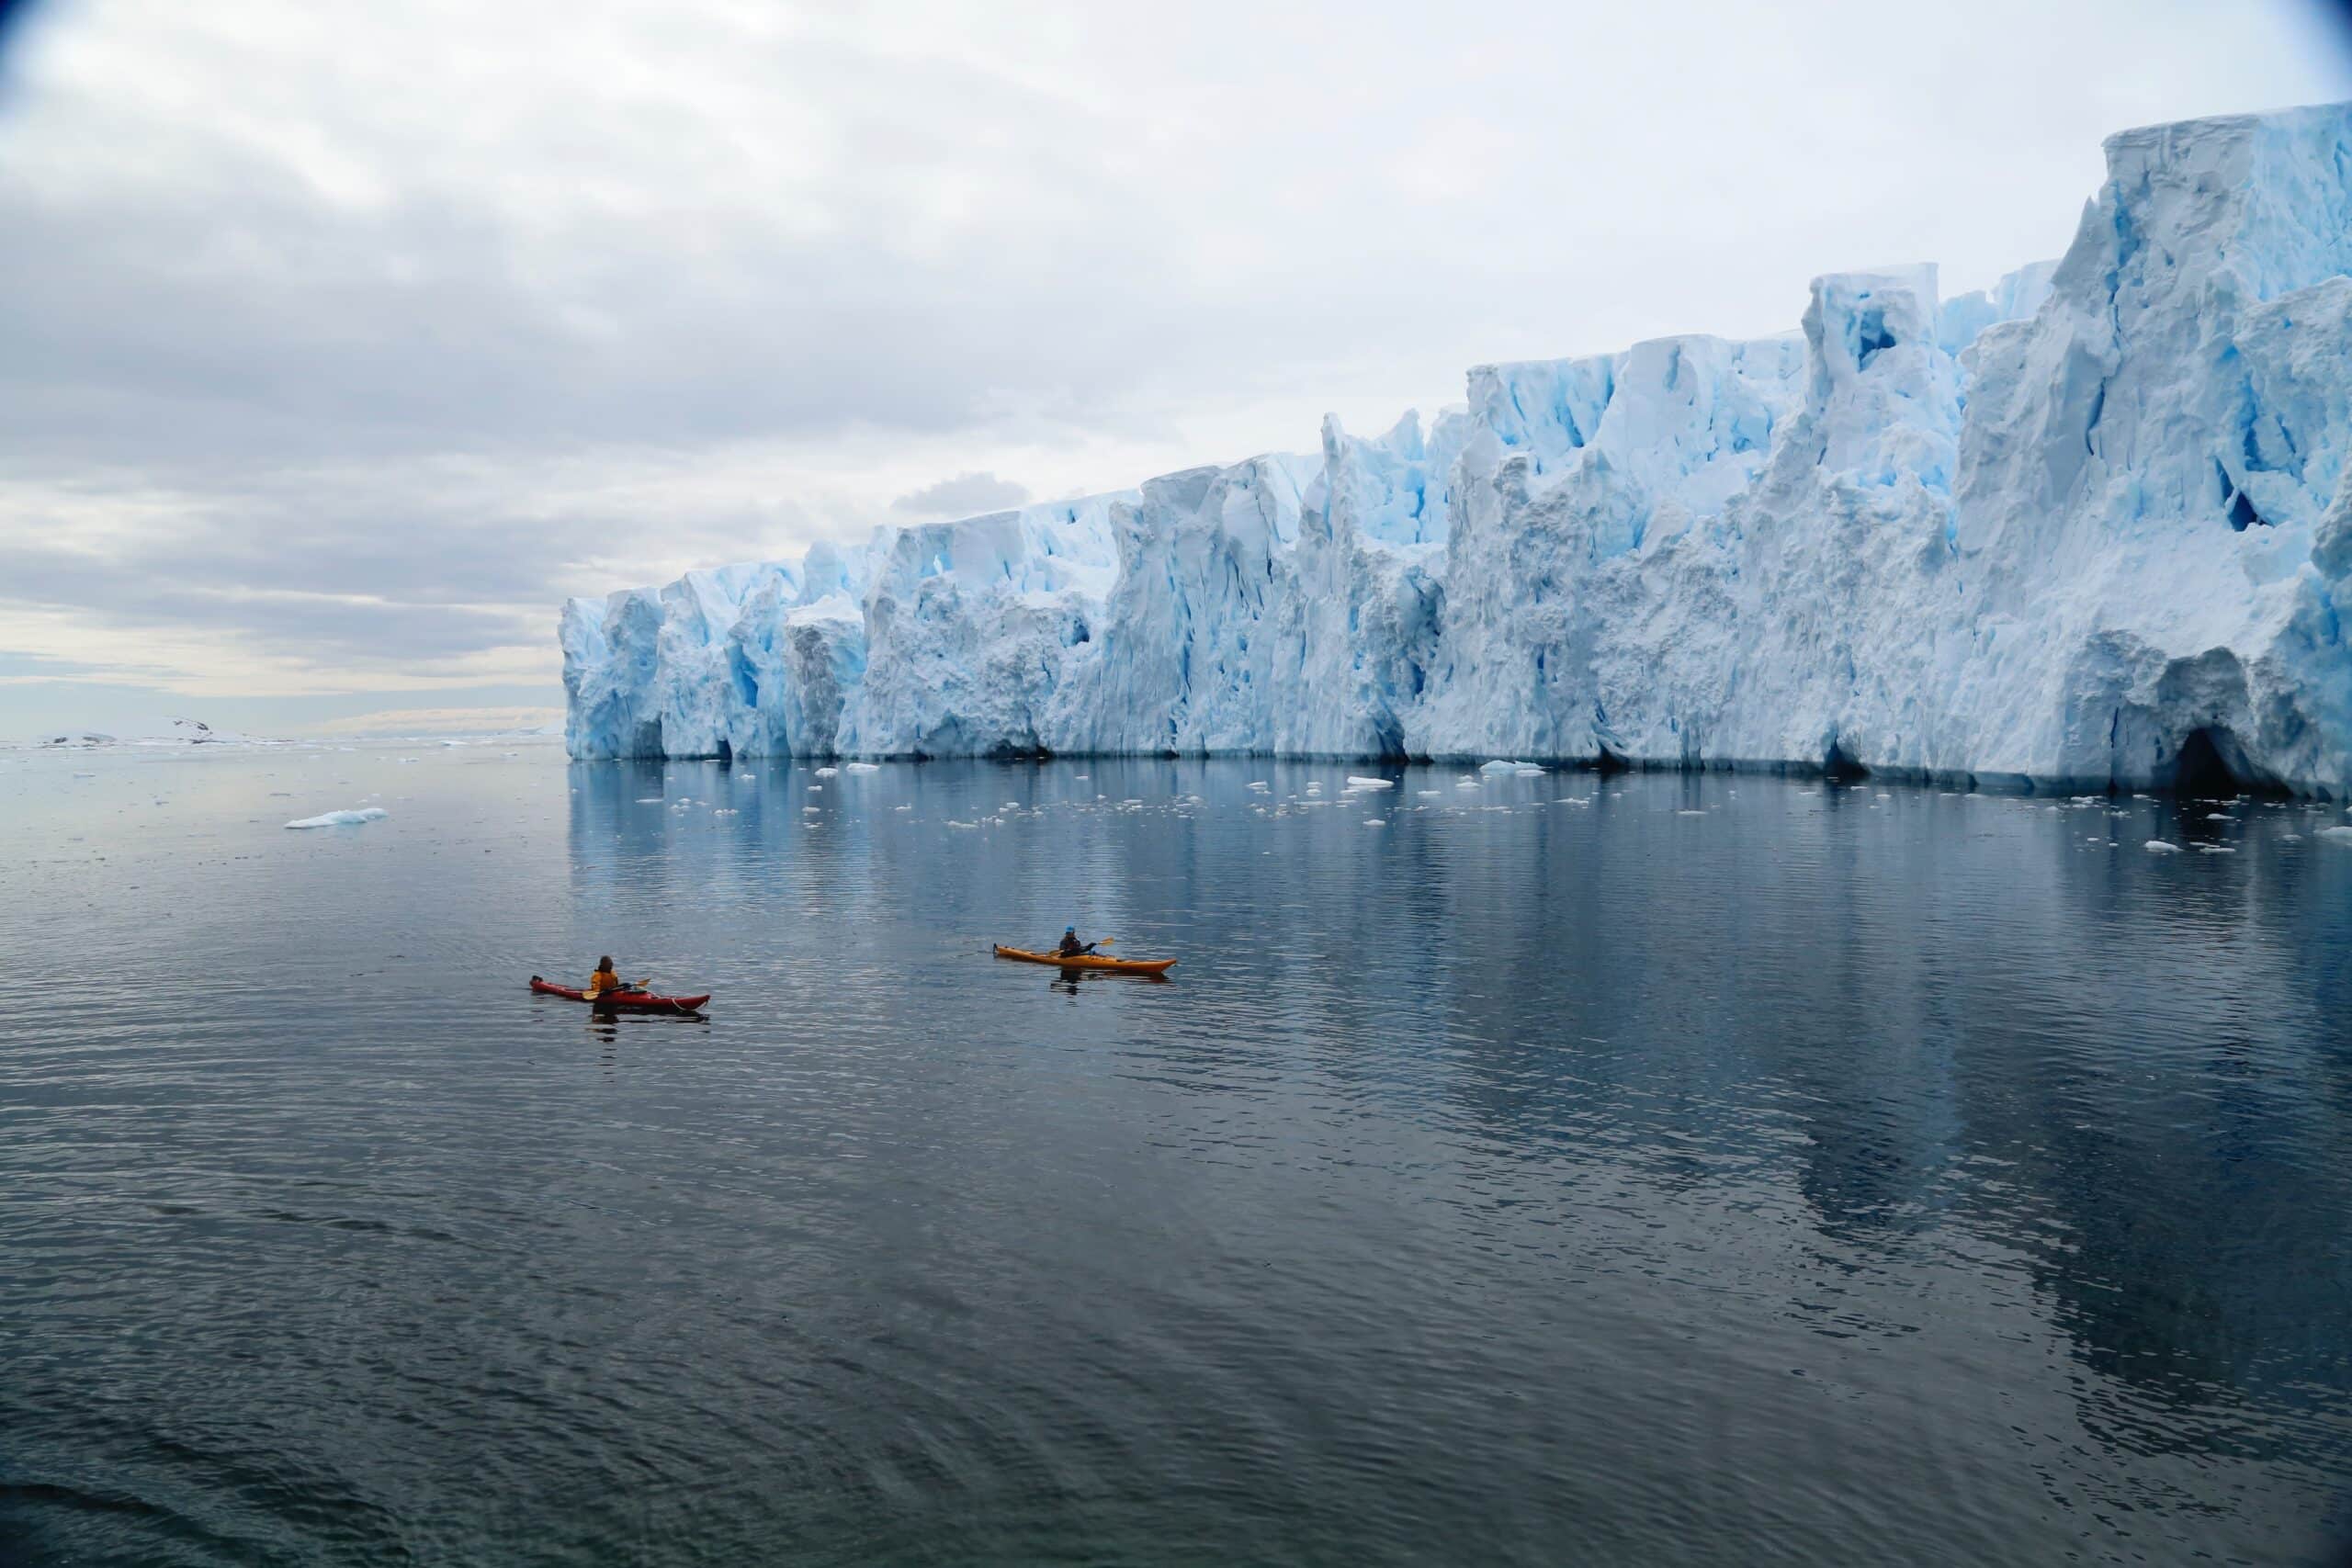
(627, 1001)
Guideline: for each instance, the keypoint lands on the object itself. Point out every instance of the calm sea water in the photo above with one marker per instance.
(1653, 1169)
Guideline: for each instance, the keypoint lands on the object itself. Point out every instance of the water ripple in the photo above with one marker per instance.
(1653, 1168)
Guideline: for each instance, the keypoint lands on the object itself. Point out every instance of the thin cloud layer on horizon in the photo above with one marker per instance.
(337, 346)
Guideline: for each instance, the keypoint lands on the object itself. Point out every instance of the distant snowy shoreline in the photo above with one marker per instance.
(182, 734)
(2089, 529)
(156, 732)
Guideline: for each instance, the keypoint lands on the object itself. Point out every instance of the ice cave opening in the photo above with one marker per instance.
(2212, 762)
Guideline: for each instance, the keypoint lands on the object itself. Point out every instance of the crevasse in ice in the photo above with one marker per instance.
(2090, 527)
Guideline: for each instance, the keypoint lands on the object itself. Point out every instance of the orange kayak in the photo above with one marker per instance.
(1092, 961)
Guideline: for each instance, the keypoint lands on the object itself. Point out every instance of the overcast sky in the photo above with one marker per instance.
(340, 341)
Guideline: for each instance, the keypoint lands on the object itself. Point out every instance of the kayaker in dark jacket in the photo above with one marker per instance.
(1071, 947)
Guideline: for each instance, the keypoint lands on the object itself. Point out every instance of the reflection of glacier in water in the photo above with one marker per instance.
(2087, 528)
(1663, 1167)
(1891, 1069)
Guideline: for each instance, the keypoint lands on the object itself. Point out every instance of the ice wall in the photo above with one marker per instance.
(2070, 530)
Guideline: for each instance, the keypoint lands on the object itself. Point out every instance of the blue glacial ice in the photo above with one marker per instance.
(2087, 528)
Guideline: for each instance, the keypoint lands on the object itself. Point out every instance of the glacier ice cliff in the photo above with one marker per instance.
(2088, 528)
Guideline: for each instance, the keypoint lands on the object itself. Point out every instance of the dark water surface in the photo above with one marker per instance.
(1641, 1170)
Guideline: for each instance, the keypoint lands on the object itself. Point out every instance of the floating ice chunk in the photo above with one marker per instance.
(2338, 836)
(649, 800)
(876, 767)
(1499, 766)
(2217, 816)
(1425, 794)
(342, 818)
(1376, 822)
(2158, 846)
(828, 773)
(2215, 849)
(1356, 782)
(1691, 814)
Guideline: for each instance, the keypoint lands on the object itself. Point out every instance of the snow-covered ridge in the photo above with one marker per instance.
(141, 732)
(2089, 528)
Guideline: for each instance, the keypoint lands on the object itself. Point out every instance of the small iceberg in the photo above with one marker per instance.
(2158, 846)
(342, 818)
(828, 773)
(1499, 766)
(2336, 836)
(876, 767)
(1355, 783)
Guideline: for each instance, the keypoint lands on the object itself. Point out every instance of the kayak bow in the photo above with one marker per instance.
(628, 1002)
(1092, 961)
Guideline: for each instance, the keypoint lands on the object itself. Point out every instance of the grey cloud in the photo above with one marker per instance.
(365, 569)
(378, 634)
(965, 495)
(213, 304)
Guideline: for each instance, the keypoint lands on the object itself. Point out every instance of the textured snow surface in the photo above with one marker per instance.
(2087, 528)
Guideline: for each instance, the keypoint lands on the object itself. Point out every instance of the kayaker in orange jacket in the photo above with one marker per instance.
(606, 978)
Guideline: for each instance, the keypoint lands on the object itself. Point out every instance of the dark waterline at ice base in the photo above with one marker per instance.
(1648, 1169)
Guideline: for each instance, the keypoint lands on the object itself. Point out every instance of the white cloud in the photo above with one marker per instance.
(965, 495)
